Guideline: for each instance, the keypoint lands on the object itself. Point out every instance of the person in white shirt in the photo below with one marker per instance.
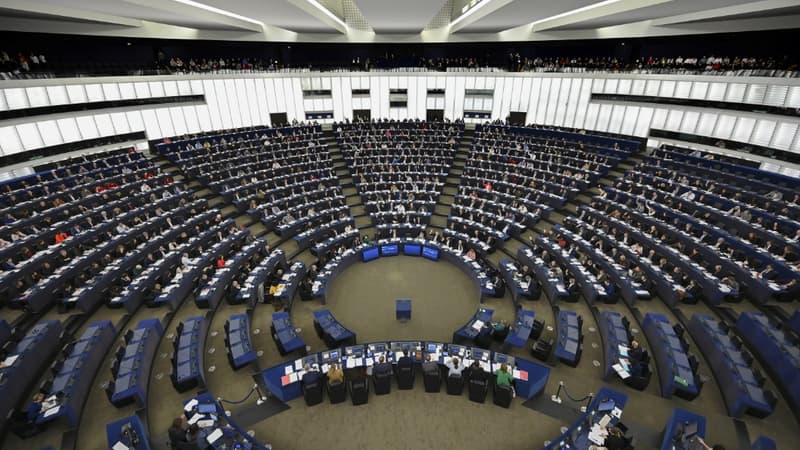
(145, 187)
(688, 195)
(454, 366)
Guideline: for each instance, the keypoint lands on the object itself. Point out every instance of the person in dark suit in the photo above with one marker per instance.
(476, 372)
(382, 367)
(177, 432)
(636, 358)
(311, 376)
(572, 289)
(404, 361)
(769, 273)
(430, 366)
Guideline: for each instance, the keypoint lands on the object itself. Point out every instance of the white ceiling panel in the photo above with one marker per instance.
(672, 8)
(394, 16)
(279, 13)
(522, 12)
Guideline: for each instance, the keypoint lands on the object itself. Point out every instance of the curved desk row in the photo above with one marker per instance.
(237, 341)
(553, 286)
(25, 363)
(284, 334)
(284, 380)
(741, 384)
(409, 247)
(252, 290)
(187, 359)
(615, 330)
(674, 367)
(290, 282)
(520, 285)
(570, 337)
(132, 295)
(131, 368)
(211, 294)
(74, 374)
(179, 287)
(332, 332)
(776, 351)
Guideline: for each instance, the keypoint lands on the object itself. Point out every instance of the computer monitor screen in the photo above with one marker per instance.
(606, 405)
(430, 253)
(206, 408)
(370, 254)
(432, 348)
(334, 355)
(389, 250)
(689, 431)
(412, 249)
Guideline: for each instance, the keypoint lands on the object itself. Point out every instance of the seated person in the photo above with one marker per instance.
(311, 375)
(454, 367)
(177, 432)
(572, 289)
(335, 374)
(500, 330)
(404, 361)
(476, 372)
(504, 377)
(636, 358)
(429, 366)
(306, 289)
(382, 367)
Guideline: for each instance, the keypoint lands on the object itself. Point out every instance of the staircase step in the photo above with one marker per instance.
(352, 200)
(349, 191)
(438, 221)
(216, 201)
(441, 209)
(363, 221)
(357, 210)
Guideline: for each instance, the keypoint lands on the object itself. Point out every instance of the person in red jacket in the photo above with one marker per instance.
(220, 262)
(61, 237)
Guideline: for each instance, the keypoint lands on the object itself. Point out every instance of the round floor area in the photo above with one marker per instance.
(363, 298)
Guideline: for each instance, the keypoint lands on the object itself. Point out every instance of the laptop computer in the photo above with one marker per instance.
(605, 405)
(206, 408)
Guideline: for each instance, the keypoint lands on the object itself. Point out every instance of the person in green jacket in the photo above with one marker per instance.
(505, 378)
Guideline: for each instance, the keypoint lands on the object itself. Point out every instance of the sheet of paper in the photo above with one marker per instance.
(288, 369)
(616, 412)
(120, 446)
(193, 420)
(190, 404)
(286, 379)
(298, 364)
(216, 434)
(621, 371)
(205, 423)
(10, 360)
(477, 325)
(52, 411)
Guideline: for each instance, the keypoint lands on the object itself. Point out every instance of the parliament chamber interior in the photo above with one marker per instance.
(307, 224)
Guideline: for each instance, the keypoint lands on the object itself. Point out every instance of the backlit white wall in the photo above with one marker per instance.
(234, 101)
